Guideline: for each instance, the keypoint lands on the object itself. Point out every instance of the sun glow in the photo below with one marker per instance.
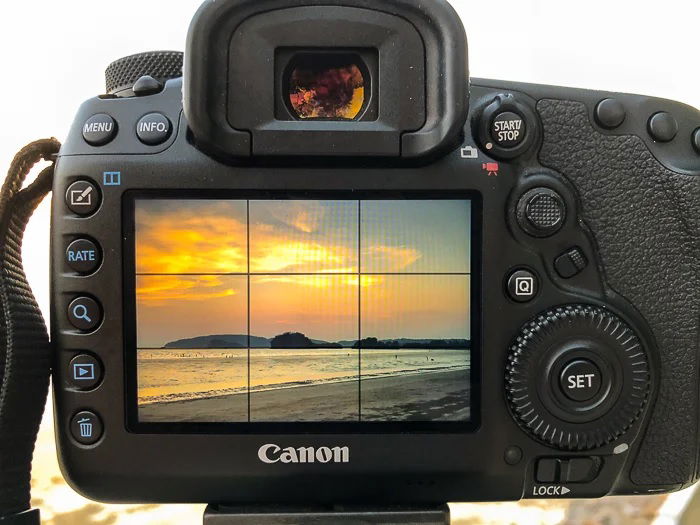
(313, 267)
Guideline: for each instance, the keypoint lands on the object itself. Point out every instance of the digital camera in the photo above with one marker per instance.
(324, 266)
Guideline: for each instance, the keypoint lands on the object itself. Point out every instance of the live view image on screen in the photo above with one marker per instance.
(269, 311)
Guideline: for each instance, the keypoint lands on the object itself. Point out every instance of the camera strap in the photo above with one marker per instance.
(25, 350)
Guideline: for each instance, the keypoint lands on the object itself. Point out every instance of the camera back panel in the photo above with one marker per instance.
(580, 211)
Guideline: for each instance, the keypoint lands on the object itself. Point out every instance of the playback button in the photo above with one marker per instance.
(85, 372)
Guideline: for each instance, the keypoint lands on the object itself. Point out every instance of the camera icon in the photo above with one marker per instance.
(524, 286)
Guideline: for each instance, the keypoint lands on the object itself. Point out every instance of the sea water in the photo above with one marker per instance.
(174, 375)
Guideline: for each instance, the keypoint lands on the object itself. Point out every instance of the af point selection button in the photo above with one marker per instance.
(83, 256)
(581, 380)
(85, 314)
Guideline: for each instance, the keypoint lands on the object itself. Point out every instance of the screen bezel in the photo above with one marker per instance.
(133, 424)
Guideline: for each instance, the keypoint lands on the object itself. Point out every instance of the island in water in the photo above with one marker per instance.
(297, 340)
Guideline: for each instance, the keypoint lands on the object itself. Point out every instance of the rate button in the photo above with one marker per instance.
(83, 256)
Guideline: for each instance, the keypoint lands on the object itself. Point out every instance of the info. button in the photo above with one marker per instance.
(154, 129)
(83, 256)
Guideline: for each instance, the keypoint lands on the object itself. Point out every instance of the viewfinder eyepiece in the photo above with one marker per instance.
(285, 78)
(328, 86)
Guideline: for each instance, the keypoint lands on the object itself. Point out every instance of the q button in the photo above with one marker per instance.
(85, 314)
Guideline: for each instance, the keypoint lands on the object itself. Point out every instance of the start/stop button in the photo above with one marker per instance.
(508, 126)
(508, 129)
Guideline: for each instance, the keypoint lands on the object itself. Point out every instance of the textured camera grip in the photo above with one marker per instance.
(646, 220)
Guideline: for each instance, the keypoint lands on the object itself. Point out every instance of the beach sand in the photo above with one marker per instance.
(435, 396)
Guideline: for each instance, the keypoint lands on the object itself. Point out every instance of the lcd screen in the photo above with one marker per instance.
(303, 311)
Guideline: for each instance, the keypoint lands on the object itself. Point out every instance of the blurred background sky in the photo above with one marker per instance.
(53, 54)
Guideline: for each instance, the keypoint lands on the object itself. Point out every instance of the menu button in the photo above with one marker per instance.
(99, 130)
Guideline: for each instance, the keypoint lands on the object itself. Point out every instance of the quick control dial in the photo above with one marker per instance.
(577, 377)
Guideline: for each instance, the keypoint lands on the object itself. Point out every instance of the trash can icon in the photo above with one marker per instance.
(85, 426)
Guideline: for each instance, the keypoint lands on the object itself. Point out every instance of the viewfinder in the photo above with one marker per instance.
(327, 86)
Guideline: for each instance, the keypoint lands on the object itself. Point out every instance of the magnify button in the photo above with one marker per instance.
(85, 314)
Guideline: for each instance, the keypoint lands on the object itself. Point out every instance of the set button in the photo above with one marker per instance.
(86, 427)
(83, 256)
(85, 314)
(100, 130)
(581, 380)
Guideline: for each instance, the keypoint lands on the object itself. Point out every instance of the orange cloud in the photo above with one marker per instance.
(212, 238)
(172, 242)
(304, 216)
(275, 253)
(163, 290)
(383, 258)
(321, 280)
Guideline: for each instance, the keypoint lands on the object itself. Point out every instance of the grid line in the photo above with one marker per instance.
(302, 274)
(359, 311)
(359, 274)
(248, 297)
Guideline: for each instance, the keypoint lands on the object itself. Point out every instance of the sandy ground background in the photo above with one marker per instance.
(437, 396)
